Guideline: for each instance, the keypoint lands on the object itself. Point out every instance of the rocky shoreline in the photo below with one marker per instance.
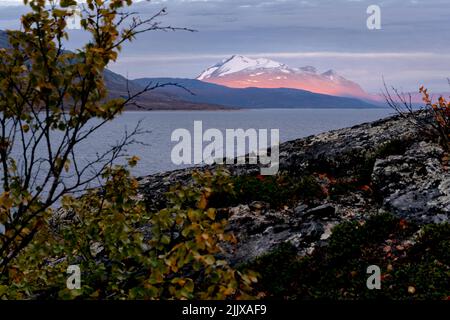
(398, 169)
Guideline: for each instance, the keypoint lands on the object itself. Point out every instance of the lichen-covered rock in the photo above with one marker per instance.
(400, 165)
(415, 185)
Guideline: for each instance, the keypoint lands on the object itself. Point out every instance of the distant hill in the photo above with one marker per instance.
(203, 92)
(117, 87)
(153, 100)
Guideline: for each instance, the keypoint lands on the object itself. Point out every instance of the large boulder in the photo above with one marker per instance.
(415, 185)
(401, 166)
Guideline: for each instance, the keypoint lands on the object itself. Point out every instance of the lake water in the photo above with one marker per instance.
(156, 154)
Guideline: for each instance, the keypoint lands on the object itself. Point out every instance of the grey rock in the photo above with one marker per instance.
(409, 181)
(313, 229)
(325, 210)
(415, 185)
(300, 210)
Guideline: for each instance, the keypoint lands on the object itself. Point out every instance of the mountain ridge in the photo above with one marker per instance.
(209, 96)
(242, 72)
(204, 92)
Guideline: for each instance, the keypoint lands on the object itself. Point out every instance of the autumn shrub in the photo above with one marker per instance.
(126, 252)
(414, 262)
(51, 101)
(441, 115)
(438, 127)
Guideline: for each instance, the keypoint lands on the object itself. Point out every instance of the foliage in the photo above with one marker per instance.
(125, 252)
(414, 265)
(438, 127)
(51, 100)
(441, 114)
(278, 191)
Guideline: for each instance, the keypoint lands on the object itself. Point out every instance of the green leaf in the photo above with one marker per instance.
(67, 3)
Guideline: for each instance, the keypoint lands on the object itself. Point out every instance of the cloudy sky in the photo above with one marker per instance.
(411, 49)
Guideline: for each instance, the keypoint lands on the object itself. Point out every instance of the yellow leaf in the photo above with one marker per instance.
(211, 213)
(202, 203)
(67, 165)
(25, 128)
(132, 162)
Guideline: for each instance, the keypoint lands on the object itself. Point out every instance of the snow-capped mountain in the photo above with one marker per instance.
(239, 64)
(244, 72)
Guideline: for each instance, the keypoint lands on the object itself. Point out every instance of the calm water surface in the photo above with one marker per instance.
(155, 155)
